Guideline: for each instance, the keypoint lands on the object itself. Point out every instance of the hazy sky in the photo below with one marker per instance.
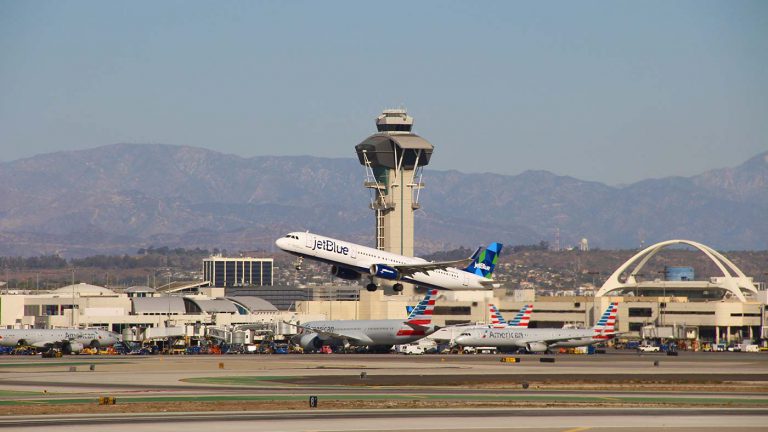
(612, 91)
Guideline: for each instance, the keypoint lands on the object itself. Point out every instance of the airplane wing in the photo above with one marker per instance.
(352, 336)
(411, 269)
(553, 339)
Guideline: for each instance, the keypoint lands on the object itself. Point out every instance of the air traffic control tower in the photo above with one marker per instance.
(394, 159)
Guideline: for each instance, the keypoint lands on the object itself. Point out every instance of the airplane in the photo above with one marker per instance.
(375, 333)
(541, 340)
(69, 340)
(521, 319)
(353, 262)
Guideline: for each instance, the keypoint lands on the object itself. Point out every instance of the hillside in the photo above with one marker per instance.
(121, 197)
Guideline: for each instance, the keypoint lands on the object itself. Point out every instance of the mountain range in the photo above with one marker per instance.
(122, 197)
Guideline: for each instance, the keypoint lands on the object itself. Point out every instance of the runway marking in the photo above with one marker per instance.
(578, 429)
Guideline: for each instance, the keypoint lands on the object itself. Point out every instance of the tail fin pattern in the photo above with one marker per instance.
(606, 326)
(522, 318)
(420, 317)
(422, 313)
(485, 261)
(497, 321)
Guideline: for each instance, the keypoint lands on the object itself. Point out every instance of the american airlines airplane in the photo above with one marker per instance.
(352, 262)
(70, 340)
(521, 320)
(541, 340)
(380, 333)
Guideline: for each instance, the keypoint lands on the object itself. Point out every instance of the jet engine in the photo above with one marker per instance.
(310, 342)
(344, 273)
(72, 347)
(536, 346)
(385, 272)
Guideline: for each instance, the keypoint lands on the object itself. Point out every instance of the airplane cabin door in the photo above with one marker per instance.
(352, 252)
(465, 280)
(310, 241)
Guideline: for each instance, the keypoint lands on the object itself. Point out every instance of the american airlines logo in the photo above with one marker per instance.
(503, 335)
(330, 246)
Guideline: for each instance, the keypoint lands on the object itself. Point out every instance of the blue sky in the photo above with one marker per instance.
(608, 91)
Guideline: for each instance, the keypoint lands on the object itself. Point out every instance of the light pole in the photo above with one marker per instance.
(72, 311)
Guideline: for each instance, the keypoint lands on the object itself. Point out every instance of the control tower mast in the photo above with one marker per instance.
(394, 159)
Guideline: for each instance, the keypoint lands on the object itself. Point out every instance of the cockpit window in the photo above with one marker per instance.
(464, 334)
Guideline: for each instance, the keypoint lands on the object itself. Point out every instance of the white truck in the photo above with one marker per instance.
(648, 348)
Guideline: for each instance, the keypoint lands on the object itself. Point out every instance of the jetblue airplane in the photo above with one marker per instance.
(353, 262)
(540, 340)
(380, 333)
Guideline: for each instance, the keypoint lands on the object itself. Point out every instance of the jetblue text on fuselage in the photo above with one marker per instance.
(330, 246)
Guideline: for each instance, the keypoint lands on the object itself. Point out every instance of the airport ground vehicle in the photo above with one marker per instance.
(410, 349)
(648, 348)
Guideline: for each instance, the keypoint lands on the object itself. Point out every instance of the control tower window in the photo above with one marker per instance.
(394, 127)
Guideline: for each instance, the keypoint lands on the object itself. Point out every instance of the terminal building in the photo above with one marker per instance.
(726, 308)
(227, 272)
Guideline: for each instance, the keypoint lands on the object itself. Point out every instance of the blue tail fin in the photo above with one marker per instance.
(485, 261)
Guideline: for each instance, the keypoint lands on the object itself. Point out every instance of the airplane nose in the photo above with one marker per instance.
(460, 339)
(282, 243)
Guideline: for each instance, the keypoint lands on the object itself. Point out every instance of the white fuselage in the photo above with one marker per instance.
(360, 259)
(41, 338)
(521, 337)
(370, 332)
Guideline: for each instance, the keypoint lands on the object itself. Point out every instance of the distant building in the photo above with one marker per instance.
(238, 272)
(584, 245)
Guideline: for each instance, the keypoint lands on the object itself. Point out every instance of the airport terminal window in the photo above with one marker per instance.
(635, 326)
(31, 310)
(692, 313)
(456, 322)
(452, 310)
(50, 309)
(640, 312)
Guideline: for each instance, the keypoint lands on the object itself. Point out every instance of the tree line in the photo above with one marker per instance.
(145, 257)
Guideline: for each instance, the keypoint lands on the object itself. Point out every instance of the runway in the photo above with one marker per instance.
(623, 390)
(411, 420)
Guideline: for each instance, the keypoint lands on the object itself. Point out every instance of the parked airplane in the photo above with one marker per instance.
(521, 320)
(352, 261)
(69, 340)
(379, 333)
(539, 340)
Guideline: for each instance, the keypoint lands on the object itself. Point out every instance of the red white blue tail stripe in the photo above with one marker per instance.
(521, 319)
(422, 313)
(606, 325)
